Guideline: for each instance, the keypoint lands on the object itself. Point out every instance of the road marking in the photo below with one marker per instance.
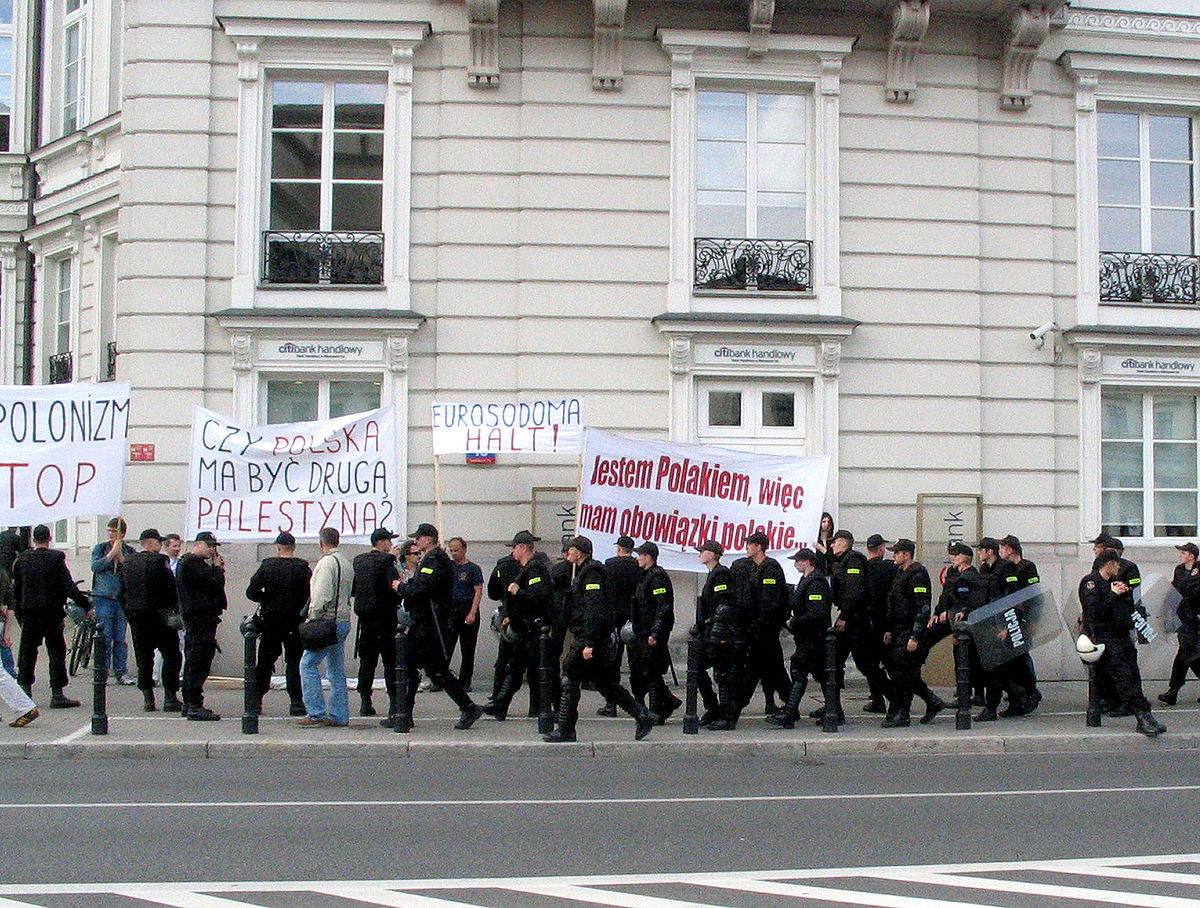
(594, 802)
(74, 736)
(182, 898)
(377, 895)
(1131, 899)
(843, 896)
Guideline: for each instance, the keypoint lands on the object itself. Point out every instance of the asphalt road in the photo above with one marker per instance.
(437, 817)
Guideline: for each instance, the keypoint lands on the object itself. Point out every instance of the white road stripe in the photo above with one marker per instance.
(1125, 873)
(74, 736)
(376, 895)
(593, 802)
(843, 896)
(592, 896)
(1132, 899)
(178, 898)
(12, 903)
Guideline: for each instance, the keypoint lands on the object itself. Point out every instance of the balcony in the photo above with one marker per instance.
(319, 258)
(110, 370)
(1149, 277)
(61, 369)
(753, 265)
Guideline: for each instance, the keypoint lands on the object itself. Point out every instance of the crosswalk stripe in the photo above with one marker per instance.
(1123, 873)
(1132, 899)
(842, 896)
(604, 897)
(178, 898)
(391, 898)
(13, 903)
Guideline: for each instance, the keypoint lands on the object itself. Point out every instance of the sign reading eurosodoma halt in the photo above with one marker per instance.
(62, 451)
(548, 426)
(250, 483)
(677, 496)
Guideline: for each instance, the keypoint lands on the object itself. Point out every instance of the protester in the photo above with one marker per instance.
(148, 595)
(106, 596)
(280, 587)
(329, 598)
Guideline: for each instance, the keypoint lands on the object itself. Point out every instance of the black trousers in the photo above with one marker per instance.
(151, 632)
(577, 670)
(199, 647)
(1119, 666)
(425, 652)
(904, 669)
(860, 642)
(1187, 656)
(648, 664)
(37, 628)
(522, 665)
(377, 641)
(764, 664)
(465, 636)
(278, 635)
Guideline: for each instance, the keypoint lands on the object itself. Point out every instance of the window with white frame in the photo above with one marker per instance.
(1148, 484)
(6, 72)
(304, 399)
(60, 367)
(753, 415)
(325, 206)
(106, 334)
(74, 64)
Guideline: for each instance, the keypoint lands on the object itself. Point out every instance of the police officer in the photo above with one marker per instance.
(375, 603)
(965, 590)
(809, 620)
(1018, 573)
(200, 580)
(502, 575)
(721, 621)
(147, 594)
(1186, 581)
(850, 581)
(624, 575)
(881, 571)
(767, 593)
(653, 618)
(589, 622)
(909, 608)
(1129, 574)
(428, 598)
(1106, 620)
(280, 587)
(527, 602)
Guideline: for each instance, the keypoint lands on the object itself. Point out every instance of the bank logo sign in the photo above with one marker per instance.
(320, 351)
(1151, 364)
(754, 355)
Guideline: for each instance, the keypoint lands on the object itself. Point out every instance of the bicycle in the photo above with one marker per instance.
(82, 641)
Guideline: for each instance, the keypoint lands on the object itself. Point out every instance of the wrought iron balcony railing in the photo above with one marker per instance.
(110, 370)
(321, 257)
(62, 369)
(756, 265)
(1149, 277)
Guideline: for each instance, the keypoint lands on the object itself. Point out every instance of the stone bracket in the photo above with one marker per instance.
(762, 15)
(1024, 32)
(608, 69)
(483, 71)
(910, 22)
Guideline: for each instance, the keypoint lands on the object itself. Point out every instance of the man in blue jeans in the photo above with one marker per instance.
(329, 597)
(107, 558)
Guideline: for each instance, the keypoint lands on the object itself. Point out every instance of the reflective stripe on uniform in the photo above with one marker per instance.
(720, 589)
(533, 580)
(592, 586)
(660, 591)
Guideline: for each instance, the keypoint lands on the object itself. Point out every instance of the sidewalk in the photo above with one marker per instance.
(1057, 726)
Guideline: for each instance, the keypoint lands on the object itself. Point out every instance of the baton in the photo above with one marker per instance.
(357, 637)
(437, 625)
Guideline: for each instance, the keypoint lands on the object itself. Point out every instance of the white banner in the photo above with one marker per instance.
(549, 426)
(62, 451)
(248, 484)
(677, 496)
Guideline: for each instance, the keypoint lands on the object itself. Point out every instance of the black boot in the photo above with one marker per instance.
(366, 707)
(933, 706)
(1170, 697)
(148, 704)
(898, 719)
(498, 708)
(786, 717)
(1148, 725)
(59, 700)
(568, 714)
(875, 705)
(171, 702)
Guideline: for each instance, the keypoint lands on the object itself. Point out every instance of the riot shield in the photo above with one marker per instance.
(1013, 624)
(1161, 604)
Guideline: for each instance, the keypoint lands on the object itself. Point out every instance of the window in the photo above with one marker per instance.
(107, 315)
(1149, 463)
(60, 367)
(6, 71)
(307, 400)
(753, 415)
(74, 64)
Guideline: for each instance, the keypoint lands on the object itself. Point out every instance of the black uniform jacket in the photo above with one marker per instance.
(588, 608)
(909, 603)
(147, 583)
(42, 582)
(280, 587)
(654, 605)
(373, 594)
(201, 589)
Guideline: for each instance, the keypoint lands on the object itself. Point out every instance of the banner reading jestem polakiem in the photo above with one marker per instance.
(248, 484)
(677, 496)
(62, 451)
(548, 426)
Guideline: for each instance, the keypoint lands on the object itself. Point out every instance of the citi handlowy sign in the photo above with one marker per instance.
(754, 354)
(1151, 365)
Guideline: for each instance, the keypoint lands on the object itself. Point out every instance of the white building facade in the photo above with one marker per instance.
(820, 228)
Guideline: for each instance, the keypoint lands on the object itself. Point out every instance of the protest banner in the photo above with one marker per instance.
(248, 484)
(549, 426)
(62, 451)
(679, 495)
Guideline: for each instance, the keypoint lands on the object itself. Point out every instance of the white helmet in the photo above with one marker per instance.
(1088, 651)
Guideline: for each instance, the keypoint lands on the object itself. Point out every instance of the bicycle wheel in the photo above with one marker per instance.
(81, 647)
(75, 650)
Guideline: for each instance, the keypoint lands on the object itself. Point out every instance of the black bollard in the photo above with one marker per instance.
(99, 684)
(962, 676)
(691, 720)
(833, 706)
(1094, 718)
(249, 631)
(402, 723)
(546, 673)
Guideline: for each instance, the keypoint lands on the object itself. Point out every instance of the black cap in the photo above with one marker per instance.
(844, 534)
(960, 548)
(582, 543)
(41, 533)
(626, 542)
(903, 545)
(425, 529)
(805, 555)
(711, 545)
(1189, 547)
(874, 541)
(759, 538)
(648, 548)
(1107, 540)
(285, 538)
(150, 534)
(206, 536)
(524, 537)
(1012, 542)
(988, 543)
(379, 533)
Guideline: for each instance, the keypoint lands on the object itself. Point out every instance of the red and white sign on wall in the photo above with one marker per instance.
(141, 453)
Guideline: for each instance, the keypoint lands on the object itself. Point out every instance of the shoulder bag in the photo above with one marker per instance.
(319, 633)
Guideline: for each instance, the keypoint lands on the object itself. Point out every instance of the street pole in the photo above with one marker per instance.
(249, 676)
(99, 683)
(545, 681)
(833, 706)
(691, 721)
(962, 676)
(403, 722)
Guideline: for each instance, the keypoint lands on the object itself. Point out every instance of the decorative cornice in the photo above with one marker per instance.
(1085, 91)
(1025, 31)
(96, 183)
(396, 353)
(8, 256)
(608, 69)
(483, 70)
(681, 354)
(762, 15)
(1125, 23)
(910, 22)
(248, 62)
(1090, 365)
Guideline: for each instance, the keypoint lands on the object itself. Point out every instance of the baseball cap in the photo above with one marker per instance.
(625, 542)
(524, 537)
(903, 545)
(711, 545)
(988, 543)
(647, 548)
(206, 536)
(1189, 547)
(960, 548)
(582, 543)
(285, 538)
(425, 529)
(379, 533)
(150, 534)
(874, 541)
(759, 538)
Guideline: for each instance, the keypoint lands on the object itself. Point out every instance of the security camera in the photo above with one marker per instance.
(1039, 333)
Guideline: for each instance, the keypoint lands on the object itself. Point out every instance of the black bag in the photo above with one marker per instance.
(318, 633)
(172, 618)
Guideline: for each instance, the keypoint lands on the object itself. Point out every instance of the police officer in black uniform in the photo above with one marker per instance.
(1129, 574)
(1106, 620)
(653, 618)
(768, 593)
(881, 571)
(1186, 581)
(428, 600)
(200, 580)
(527, 603)
(850, 581)
(809, 621)
(909, 609)
(148, 594)
(1018, 573)
(280, 587)
(624, 575)
(589, 621)
(722, 636)
(502, 575)
(375, 603)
